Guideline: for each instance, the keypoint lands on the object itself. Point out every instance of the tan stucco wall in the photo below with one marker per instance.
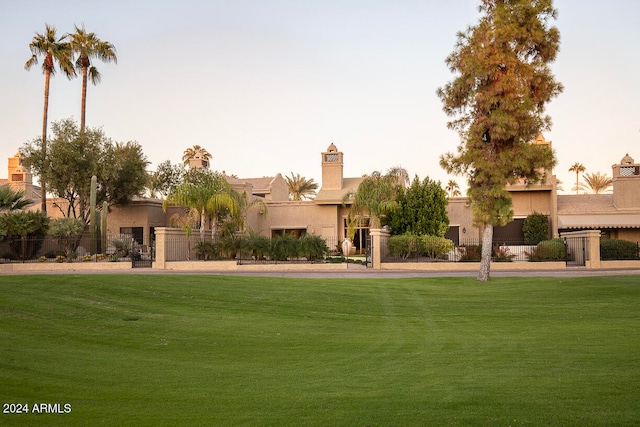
(321, 220)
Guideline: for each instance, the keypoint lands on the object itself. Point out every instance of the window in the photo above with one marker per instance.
(137, 233)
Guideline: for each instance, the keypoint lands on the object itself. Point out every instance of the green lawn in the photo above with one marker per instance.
(210, 350)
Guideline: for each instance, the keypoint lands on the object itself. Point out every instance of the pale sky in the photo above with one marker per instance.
(266, 86)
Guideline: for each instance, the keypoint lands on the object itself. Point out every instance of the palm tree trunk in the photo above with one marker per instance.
(43, 186)
(202, 219)
(485, 260)
(83, 106)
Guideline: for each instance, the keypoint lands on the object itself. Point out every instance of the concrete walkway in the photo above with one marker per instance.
(352, 272)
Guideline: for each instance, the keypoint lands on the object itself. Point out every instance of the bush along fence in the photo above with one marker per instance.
(49, 249)
(575, 248)
(246, 249)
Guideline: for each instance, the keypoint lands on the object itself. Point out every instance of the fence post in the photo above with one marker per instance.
(161, 248)
(379, 250)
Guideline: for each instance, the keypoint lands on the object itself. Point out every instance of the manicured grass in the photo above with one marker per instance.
(210, 350)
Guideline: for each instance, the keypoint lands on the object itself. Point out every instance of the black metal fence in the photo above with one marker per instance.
(417, 249)
(253, 249)
(115, 248)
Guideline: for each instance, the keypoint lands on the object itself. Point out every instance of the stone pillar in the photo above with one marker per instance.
(379, 241)
(165, 235)
(592, 246)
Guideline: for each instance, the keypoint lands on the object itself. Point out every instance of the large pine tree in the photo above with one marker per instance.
(497, 101)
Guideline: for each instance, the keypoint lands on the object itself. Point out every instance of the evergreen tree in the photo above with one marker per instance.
(421, 209)
(497, 102)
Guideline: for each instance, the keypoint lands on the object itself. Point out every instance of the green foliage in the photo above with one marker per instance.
(67, 231)
(260, 247)
(74, 156)
(122, 246)
(535, 228)
(300, 188)
(421, 209)
(313, 247)
(411, 245)
(549, 250)
(496, 101)
(24, 230)
(285, 247)
(206, 251)
(618, 250)
(207, 193)
(11, 200)
(376, 195)
(165, 179)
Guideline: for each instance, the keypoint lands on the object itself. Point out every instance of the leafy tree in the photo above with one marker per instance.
(87, 46)
(67, 231)
(54, 49)
(300, 188)
(595, 183)
(11, 200)
(578, 168)
(421, 209)
(376, 195)
(497, 101)
(191, 152)
(74, 156)
(535, 228)
(165, 179)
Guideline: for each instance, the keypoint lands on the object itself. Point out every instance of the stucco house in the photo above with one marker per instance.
(616, 214)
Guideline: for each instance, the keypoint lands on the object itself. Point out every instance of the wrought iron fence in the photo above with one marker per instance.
(421, 249)
(116, 248)
(252, 249)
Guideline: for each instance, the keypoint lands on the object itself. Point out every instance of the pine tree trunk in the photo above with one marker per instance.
(485, 260)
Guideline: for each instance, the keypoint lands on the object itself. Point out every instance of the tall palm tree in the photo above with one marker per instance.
(596, 183)
(453, 189)
(300, 188)
(577, 168)
(88, 46)
(191, 153)
(53, 49)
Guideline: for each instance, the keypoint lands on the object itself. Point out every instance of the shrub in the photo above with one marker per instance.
(285, 247)
(618, 249)
(470, 253)
(206, 251)
(403, 245)
(436, 247)
(535, 228)
(260, 246)
(313, 247)
(502, 253)
(549, 250)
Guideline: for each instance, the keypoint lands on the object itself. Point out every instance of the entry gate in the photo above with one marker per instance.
(577, 253)
(143, 257)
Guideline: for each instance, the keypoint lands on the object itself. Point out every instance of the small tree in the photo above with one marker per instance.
(535, 228)
(67, 231)
(421, 209)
